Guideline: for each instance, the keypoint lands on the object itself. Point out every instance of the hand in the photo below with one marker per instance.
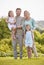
(6, 21)
(14, 21)
(19, 27)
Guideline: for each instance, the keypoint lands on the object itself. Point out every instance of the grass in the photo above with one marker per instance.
(24, 61)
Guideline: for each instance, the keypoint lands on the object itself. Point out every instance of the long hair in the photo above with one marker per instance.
(9, 13)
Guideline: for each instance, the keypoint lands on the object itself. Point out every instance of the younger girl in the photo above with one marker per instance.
(11, 23)
(29, 40)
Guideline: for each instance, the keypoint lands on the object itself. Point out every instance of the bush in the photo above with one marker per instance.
(4, 31)
(39, 37)
(7, 50)
(42, 38)
(6, 45)
(40, 47)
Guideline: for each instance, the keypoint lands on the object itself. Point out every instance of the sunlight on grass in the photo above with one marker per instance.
(24, 61)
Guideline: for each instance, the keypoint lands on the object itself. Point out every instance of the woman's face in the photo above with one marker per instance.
(26, 15)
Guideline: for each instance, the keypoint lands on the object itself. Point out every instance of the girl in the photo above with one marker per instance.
(29, 40)
(11, 23)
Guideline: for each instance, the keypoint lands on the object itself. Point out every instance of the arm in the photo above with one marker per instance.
(10, 22)
(33, 24)
(14, 22)
(21, 24)
(19, 27)
(6, 20)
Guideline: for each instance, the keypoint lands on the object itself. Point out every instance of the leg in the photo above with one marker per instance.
(14, 44)
(13, 33)
(29, 51)
(34, 50)
(21, 46)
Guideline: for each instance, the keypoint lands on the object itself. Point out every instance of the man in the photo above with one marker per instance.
(19, 32)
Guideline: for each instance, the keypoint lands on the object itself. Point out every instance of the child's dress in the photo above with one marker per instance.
(28, 39)
(11, 20)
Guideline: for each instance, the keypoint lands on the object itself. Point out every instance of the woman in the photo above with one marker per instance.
(31, 22)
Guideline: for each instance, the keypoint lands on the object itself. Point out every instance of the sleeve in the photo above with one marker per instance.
(33, 24)
(23, 24)
(23, 27)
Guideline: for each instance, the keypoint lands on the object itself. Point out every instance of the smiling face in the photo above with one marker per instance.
(26, 14)
(18, 11)
(28, 27)
(11, 14)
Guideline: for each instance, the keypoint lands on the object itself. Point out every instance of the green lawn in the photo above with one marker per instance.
(24, 61)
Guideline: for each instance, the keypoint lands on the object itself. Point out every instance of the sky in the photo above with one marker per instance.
(35, 7)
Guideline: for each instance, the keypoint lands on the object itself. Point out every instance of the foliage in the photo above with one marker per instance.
(6, 45)
(4, 31)
(6, 48)
(39, 37)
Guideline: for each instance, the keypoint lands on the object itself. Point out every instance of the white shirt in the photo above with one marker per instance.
(11, 20)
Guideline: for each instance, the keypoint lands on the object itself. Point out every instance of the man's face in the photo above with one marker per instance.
(18, 12)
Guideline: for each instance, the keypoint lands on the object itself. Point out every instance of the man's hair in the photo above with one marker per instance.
(18, 9)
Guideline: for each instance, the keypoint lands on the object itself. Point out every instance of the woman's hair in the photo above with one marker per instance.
(26, 12)
(9, 13)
